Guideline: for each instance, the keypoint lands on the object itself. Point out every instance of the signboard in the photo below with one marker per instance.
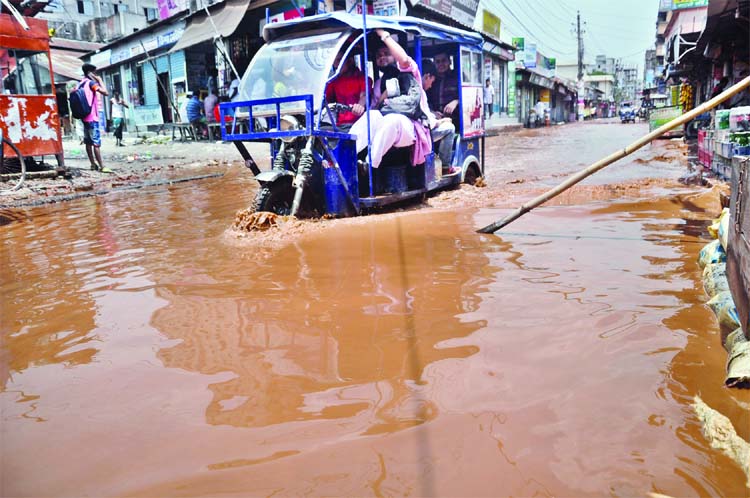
(688, 4)
(663, 115)
(511, 89)
(101, 59)
(463, 11)
(544, 96)
(472, 110)
(538, 80)
(147, 115)
(519, 44)
(529, 56)
(355, 7)
(285, 16)
(168, 8)
(385, 7)
(491, 23)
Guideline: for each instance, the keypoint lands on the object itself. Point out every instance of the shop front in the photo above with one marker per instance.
(148, 77)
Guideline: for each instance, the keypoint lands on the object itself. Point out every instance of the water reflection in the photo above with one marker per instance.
(48, 312)
(339, 326)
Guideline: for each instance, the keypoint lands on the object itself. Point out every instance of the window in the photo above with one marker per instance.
(85, 7)
(23, 72)
(151, 14)
(471, 67)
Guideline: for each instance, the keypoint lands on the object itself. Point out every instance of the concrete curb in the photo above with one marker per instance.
(498, 130)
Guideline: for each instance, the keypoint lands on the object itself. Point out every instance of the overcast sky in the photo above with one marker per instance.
(618, 28)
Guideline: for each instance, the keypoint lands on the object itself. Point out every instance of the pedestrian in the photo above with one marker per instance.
(195, 116)
(93, 86)
(118, 116)
(209, 103)
(489, 98)
(234, 90)
(211, 81)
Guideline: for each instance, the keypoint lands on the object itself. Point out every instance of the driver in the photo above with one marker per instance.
(348, 88)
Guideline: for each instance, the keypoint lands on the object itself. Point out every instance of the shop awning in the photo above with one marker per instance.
(226, 18)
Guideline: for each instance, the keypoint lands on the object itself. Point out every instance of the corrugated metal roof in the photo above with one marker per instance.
(75, 45)
(65, 65)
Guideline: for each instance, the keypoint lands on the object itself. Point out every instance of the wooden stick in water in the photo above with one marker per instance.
(602, 163)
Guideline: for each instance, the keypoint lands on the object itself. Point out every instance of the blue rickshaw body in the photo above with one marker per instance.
(336, 183)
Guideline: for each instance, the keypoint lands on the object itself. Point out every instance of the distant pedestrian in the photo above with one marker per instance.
(489, 98)
(92, 86)
(211, 81)
(118, 116)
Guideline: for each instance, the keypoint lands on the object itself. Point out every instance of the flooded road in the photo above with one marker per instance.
(146, 351)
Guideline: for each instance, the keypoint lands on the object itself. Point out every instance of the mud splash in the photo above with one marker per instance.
(249, 220)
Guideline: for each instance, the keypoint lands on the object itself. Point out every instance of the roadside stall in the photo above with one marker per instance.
(29, 118)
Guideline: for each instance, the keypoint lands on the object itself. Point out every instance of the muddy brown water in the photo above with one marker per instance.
(147, 351)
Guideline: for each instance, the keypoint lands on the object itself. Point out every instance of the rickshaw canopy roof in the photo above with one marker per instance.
(405, 24)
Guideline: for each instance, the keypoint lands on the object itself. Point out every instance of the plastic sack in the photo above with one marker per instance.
(715, 279)
(738, 363)
(723, 306)
(712, 253)
(724, 229)
(713, 229)
(735, 338)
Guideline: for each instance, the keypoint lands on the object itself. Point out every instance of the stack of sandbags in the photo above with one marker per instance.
(712, 259)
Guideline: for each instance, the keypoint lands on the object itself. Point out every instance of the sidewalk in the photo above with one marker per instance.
(137, 164)
(498, 124)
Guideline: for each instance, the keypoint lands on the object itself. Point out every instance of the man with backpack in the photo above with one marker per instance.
(84, 105)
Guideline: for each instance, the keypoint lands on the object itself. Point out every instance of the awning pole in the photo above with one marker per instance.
(221, 48)
(15, 14)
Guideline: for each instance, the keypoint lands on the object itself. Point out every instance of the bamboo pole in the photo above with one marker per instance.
(615, 156)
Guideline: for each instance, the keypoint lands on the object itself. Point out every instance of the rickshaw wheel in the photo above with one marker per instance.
(276, 197)
(472, 174)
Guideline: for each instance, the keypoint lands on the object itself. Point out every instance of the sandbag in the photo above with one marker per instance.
(735, 338)
(723, 306)
(715, 279)
(724, 229)
(713, 229)
(712, 253)
(738, 363)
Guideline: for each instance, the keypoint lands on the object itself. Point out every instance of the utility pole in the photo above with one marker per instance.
(579, 33)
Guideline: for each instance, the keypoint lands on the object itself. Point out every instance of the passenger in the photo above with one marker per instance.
(348, 88)
(385, 63)
(393, 129)
(443, 96)
(443, 130)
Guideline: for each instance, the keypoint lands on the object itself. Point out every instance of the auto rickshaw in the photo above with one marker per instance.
(315, 168)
